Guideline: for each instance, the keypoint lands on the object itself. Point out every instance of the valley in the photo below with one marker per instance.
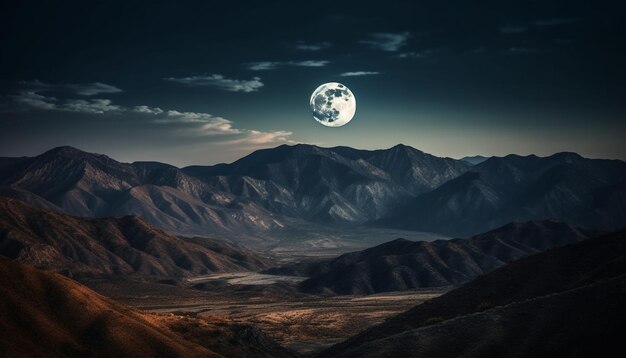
(259, 258)
(300, 322)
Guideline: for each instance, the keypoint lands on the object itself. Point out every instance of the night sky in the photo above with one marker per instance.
(204, 82)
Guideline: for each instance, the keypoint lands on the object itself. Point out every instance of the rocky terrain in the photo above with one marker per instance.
(567, 301)
(565, 187)
(112, 246)
(402, 265)
(48, 315)
(271, 191)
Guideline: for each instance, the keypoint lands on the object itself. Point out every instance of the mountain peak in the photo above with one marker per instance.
(64, 150)
(404, 147)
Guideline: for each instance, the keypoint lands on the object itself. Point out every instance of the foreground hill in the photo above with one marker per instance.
(402, 265)
(47, 315)
(568, 301)
(564, 187)
(111, 246)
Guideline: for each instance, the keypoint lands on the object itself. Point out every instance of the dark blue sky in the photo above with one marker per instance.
(195, 82)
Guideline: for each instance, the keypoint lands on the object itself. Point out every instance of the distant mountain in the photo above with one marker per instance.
(565, 187)
(286, 187)
(94, 185)
(48, 315)
(111, 246)
(475, 159)
(338, 184)
(567, 301)
(401, 264)
(266, 190)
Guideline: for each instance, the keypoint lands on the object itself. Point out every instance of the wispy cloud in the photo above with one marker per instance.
(418, 54)
(359, 73)
(198, 126)
(97, 105)
(387, 41)
(513, 29)
(34, 100)
(556, 21)
(147, 110)
(219, 81)
(85, 89)
(312, 46)
(272, 65)
(221, 130)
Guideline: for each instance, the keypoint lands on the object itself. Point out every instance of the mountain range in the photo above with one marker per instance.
(294, 186)
(127, 245)
(401, 265)
(568, 301)
(564, 187)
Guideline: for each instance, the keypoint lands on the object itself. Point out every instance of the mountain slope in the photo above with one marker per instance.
(341, 184)
(48, 315)
(567, 301)
(261, 192)
(475, 159)
(401, 264)
(565, 187)
(110, 246)
(94, 185)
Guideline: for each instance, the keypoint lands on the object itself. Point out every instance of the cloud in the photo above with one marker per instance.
(206, 123)
(556, 21)
(387, 41)
(221, 130)
(303, 46)
(97, 105)
(420, 54)
(147, 110)
(33, 100)
(272, 65)
(85, 89)
(191, 125)
(255, 139)
(512, 30)
(92, 89)
(219, 81)
(359, 73)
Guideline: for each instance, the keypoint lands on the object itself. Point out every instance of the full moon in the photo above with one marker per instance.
(333, 104)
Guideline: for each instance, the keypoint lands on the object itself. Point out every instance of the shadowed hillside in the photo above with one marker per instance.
(111, 246)
(564, 302)
(401, 264)
(47, 315)
(564, 186)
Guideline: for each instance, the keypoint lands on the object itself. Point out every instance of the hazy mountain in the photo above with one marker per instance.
(564, 302)
(401, 264)
(564, 187)
(111, 246)
(263, 191)
(339, 184)
(94, 185)
(48, 315)
(273, 189)
(475, 159)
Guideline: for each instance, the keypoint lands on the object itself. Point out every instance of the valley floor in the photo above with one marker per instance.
(304, 323)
